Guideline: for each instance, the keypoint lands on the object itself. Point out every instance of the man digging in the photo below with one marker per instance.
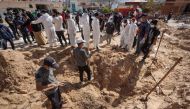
(81, 56)
(47, 83)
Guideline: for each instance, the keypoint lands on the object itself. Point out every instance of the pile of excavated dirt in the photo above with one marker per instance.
(120, 78)
(15, 70)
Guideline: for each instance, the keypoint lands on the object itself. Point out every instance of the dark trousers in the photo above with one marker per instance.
(139, 45)
(14, 30)
(134, 42)
(146, 50)
(32, 35)
(82, 35)
(25, 36)
(5, 43)
(87, 70)
(55, 98)
(60, 35)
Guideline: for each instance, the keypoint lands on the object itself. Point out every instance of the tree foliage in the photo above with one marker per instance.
(106, 10)
(151, 6)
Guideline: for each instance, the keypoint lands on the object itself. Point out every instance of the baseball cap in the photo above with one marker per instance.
(49, 61)
(80, 41)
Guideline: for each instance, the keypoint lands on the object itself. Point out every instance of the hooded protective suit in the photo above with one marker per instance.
(124, 35)
(132, 33)
(96, 32)
(46, 20)
(84, 21)
(72, 31)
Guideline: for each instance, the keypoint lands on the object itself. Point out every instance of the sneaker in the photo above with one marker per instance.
(92, 78)
(82, 83)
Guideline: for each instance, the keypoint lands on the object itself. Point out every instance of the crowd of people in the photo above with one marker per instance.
(137, 31)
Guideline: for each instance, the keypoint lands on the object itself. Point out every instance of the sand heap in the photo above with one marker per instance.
(118, 83)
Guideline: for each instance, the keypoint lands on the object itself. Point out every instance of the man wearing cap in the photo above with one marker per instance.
(81, 56)
(46, 82)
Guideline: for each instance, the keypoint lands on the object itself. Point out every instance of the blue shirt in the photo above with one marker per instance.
(20, 22)
(5, 33)
(144, 29)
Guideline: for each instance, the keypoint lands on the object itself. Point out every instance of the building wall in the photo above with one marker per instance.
(177, 6)
(25, 5)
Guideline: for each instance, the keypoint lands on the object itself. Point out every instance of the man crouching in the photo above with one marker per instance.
(47, 83)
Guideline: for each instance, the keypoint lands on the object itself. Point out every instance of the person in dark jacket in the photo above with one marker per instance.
(20, 23)
(81, 56)
(142, 33)
(9, 20)
(47, 82)
(109, 31)
(6, 35)
(151, 38)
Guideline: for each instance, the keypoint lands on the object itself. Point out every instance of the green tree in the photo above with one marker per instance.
(106, 10)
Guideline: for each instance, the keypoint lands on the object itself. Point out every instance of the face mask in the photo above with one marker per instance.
(152, 26)
(51, 69)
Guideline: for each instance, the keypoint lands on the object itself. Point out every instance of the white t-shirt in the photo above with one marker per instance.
(58, 22)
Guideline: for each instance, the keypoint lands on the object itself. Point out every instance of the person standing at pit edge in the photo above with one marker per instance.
(5, 35)
(58, 22)
(47, 83)
(81, 56)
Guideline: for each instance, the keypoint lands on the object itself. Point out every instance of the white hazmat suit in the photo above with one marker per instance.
(132, 33)
(46, 20)
(72, 31)
(96, 32)
(84, 21)
(124, 35)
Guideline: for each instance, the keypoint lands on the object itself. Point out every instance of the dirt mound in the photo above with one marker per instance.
(118, 83)
(111, 67)
(14, 70)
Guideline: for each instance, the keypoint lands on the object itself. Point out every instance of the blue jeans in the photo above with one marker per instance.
(139, 45)
(55, 98)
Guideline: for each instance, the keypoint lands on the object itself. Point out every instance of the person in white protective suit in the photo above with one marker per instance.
(84, 21)
(132, 33)
(96, 31)
(46, 20)
(124, 33)
(72, 30)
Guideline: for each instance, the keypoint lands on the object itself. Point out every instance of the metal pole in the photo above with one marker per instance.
(163, 77)
(159, 44)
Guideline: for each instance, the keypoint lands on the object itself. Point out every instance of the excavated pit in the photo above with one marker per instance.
(118, 82)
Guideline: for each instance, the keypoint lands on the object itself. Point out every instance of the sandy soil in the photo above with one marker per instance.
(121, 78)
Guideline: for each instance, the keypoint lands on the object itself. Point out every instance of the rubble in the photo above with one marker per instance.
(119, 77)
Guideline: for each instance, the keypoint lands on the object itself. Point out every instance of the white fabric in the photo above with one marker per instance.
(72, 31)
(58, 22)
(46, 20)
(84, 21)
(132, 33)
(124, 35)
(52, 36)
(122, 28)
(96, 32)
(80, 41)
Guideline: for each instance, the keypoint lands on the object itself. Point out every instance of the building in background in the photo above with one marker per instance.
(178, 7)
(31, 5)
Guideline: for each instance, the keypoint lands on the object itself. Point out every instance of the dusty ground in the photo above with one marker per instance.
(120, 77)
